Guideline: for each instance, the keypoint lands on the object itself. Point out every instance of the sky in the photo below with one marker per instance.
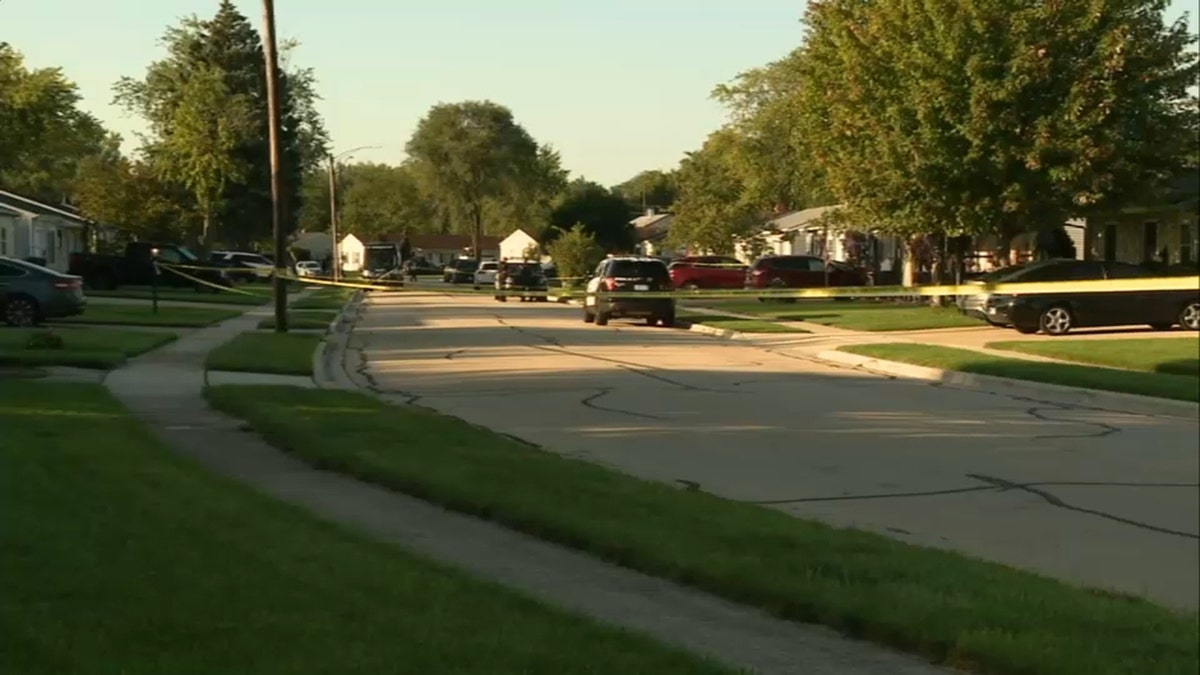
(617, 86)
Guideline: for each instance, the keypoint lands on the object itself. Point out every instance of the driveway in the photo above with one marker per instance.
(1103, 498)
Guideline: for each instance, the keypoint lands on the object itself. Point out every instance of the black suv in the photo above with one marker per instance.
(625, 277)
(524, 280)
(460, 271)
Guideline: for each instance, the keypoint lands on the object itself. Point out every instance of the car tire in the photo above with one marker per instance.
(1189, 316)
(1024, 330)
(668, 320)
(21, 311)
(651, 320)
(1055, 320)
(588, 317)
(602, 318)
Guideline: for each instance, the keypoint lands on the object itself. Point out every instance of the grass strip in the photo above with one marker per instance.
(144, 315)
(1172, 356)
(99, 349)
(257, 352)
(951, 608)
(134, 560)
(1177, 387)
(179, 295)
(310, 319)
(863, 315)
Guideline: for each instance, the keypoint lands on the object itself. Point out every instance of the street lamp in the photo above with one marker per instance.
(333, 236)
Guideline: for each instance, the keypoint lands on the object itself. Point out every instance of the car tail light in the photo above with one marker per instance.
(610, 284)
(758, 272)
(68, 285)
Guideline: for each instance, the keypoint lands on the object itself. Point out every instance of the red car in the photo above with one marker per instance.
(801, 271)
(706, 271)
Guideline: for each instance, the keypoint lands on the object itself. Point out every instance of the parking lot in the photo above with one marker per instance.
(1103, 498)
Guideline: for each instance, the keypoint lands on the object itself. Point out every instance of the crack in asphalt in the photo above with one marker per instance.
(449, 356)
(363, 368)
(1059, 503)
(590, 402)
(1102, 428)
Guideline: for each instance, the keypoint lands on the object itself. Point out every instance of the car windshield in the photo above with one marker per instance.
(639, 268)
(186, 253)
(464, 264)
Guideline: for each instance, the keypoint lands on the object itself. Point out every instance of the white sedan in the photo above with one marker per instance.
(308, 268)
(486, 274)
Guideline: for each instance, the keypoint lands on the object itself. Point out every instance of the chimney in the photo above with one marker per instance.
(650, 211)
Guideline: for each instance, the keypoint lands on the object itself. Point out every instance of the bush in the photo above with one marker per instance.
(575, 253)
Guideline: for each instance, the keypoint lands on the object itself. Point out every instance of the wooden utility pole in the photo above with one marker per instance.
(333, 233)
(272, 65)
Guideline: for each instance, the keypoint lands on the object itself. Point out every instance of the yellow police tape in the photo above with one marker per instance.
(175, 269)
(1183, 284)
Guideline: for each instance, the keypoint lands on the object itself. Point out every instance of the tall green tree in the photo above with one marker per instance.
(227, 43)
(1004, 116)
(531, 203)
(469, 154)
(649, 190)
(379, 199)
(604, 215)
(43, 132)
(714, 209)
(118, 192)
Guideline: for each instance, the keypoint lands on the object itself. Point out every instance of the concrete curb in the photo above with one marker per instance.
(325, 374)
(723, 333)
(1076, 396)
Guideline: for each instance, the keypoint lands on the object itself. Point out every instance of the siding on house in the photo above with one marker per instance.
(38, 230)
(514, 245)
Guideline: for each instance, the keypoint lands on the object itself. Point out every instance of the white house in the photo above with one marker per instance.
(516, 244)
(352, 249)
(32, 229)
(813, 231)
(650, 234)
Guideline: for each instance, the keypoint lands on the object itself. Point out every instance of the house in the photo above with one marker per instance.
(318, 244)
(1166, 234)
(516, 244)
(817, 231)
(33, 229)
(440, 249)
(351, 249)
(650, 234)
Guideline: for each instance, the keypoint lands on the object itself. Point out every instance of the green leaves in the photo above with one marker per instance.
(713, 208)
(575, 253)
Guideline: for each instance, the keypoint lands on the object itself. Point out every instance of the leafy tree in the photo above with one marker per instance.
(43, 133)
(603, 214)
(713, 212)
(117, 192)
(229, 44)
(378, 199)
(993, 116)
(649, 189)
(468, 154)
(533, 199)
(313, 214)
(575, 252)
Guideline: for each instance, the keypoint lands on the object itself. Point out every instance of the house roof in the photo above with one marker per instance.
(27, 205)
(8, 210)
(445, 242)
(803, 219)
(650, 219)
(519, 231)
(651, 227)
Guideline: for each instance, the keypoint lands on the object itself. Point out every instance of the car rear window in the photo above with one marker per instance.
(638, 268)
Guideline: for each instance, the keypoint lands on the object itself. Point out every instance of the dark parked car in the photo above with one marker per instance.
(420, 267)
(524, 280)
(629, 276)
(1059, 313)
(31, 293)
(461, 271)
(801, 271)
(136, 267)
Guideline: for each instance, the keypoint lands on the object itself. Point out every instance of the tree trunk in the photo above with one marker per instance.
(477, 233)
(909, 274)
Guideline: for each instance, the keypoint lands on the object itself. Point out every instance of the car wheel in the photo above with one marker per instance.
(651, 320)
(1024, 330)
(691, 287)
(1055, 321)
(588, 317)
(1189, 316)
(21, 311)
(602, 318)
(668, 319)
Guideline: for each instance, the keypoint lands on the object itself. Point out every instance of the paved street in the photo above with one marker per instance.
(1103, 498)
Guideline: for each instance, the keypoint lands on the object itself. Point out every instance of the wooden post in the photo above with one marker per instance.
(277, 197)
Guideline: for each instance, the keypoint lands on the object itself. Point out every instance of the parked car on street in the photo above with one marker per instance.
(801, 271)
(521, 279)
(243, 266)
(31, 293)
(1059, 313)
(419, 267)
(308, 268)
(693, 273)
(460, 271)
(486, 274)
(136, 268)
(628, 276)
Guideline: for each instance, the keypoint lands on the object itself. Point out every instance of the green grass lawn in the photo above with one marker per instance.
(187, 295)
(946, 606)
(303, 319)
(122, 557)
(144, 315)
(276, 353)
(739, 325)
(1174, 356)
(95, 348)
(853, 315)
(326, 298)
(1179, 387)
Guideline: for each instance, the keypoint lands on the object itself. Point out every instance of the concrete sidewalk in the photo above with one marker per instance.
(165, 389)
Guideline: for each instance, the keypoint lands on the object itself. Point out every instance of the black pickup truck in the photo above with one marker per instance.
(136, 268)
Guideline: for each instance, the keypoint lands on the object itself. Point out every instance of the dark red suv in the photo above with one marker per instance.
(801, 271)
(706, 271)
